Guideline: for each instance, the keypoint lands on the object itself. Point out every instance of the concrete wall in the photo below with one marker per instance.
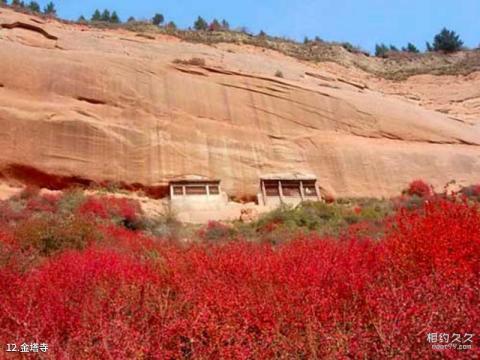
(199, 202)
(275, 201)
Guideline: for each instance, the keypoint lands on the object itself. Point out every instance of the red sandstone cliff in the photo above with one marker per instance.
(112, 105)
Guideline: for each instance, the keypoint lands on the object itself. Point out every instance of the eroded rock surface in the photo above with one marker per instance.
(111, 105)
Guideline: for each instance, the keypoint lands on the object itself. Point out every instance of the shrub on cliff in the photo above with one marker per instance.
(411, 48)
(215, 25)
(381, 50)
(96, 16)
(447, 41)
(472, 192)
(18, 3)
(50, 9)
(34, 6)
(158, 19)
(419, 188)
(225, 25)
(171, 26)
(200, 24)
(114, 18)
(193, 61)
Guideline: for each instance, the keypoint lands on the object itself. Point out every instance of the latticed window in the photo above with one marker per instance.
(196, 189)
(271, 188)
(177, 190)
(291, 188)
(309, 188)
(214, 190)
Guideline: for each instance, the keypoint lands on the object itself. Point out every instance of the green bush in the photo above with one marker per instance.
(309, 216)
(200, 24)
(447, 41)
(381, 50)
(217, 231)
(414, 202)
(411, 49)
(165, 226)
(114, 18)
(326, 219)
(96, 16)
(70, 201)
(50, 9)
(49, 234)
(34, 6)
(158, 19)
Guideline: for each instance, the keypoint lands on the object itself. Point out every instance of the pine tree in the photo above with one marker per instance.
(428, 46)
(225, 25)
(158, 19)
(171, 26)
(214, 25)
(114, 18)
(105, 16)
(350, 47)
(131, 19)
(410, 48)
(96, 16)
(447, 41)
(49, 9)
(34, 6)
(381, 50)
(82, 19)
(18, 3)
(200, 24)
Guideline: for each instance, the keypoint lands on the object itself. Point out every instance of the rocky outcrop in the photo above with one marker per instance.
(30, 27)
(109, 105)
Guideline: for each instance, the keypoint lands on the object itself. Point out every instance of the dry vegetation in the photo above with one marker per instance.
(397, 66)
(193, 61)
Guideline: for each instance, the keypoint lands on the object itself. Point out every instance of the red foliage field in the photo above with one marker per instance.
(120, 294)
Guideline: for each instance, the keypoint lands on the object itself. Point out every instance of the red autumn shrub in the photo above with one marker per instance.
(9, 214)
(131, 296)
(443, 238)
(121, 210)
(43, 203)
(472, 191)
(28, 192)
(96, 304)
(419, 188)
(215, 230)
(329, 199)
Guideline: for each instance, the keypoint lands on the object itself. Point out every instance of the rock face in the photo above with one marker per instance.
(111, 105)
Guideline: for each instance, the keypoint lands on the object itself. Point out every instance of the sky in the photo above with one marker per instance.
(361, 22)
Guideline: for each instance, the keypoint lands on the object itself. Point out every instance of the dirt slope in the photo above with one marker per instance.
(112, 105)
